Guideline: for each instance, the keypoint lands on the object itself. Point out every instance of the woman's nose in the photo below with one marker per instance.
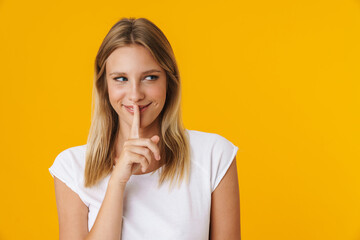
(135, 93)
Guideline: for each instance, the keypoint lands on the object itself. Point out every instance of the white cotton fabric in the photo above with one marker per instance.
(149, 212)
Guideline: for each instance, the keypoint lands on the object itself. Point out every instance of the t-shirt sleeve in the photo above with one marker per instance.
(64, 169)
(223, 153)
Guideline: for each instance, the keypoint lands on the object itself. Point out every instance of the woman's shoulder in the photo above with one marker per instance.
(68, 166)
(207, 142)
(212, 153)
(72, 151)
(72, 157)
(202, 138)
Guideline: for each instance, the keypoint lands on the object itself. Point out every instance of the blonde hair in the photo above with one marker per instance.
(104, 125)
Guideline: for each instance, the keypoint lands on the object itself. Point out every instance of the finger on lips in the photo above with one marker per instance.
(134, 132)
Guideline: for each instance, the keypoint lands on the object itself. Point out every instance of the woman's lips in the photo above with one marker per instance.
(142, 108)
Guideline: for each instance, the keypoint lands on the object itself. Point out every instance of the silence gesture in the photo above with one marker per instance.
(136, 152)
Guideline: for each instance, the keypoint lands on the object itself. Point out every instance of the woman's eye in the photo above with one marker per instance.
(154, 77)
(119, 79)
(123, 79)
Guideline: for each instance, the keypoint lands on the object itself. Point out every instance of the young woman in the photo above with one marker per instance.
(120, 184)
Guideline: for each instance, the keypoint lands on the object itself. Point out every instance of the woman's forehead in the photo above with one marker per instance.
(131, 59)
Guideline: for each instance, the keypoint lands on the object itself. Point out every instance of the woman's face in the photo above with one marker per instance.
(134, 77)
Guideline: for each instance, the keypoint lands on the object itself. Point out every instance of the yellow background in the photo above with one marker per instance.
(280, 79)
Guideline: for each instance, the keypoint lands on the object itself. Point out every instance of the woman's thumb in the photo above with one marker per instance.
(155, 138)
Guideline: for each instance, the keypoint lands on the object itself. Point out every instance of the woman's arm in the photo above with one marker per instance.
(73, 213)
(225, 207)
(108, 223)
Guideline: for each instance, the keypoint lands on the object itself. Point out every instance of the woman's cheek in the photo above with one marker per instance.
(159, 93)
(116, 98)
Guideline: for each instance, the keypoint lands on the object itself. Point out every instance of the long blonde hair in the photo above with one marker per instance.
(104, 124)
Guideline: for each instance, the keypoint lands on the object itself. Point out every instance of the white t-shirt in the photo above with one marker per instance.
(149, 212)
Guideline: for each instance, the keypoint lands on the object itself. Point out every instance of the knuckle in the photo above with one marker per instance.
(145, 160)
(147, 151)
(126, 149)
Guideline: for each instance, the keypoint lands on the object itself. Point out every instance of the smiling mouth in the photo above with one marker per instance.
(132, 108)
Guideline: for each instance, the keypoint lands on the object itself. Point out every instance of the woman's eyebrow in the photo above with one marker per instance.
(146, 72)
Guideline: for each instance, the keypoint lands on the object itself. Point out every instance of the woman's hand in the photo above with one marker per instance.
(136, 152)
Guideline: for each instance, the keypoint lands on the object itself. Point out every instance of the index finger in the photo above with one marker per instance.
(134, 132)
